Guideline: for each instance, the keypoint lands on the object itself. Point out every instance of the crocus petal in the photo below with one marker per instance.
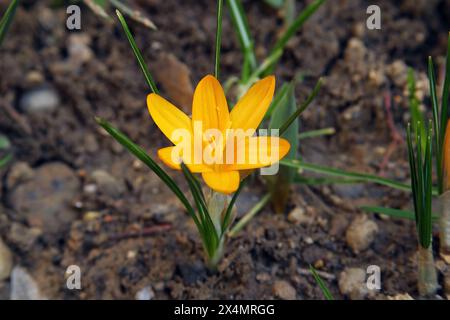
(251, 108)
(168, 117)
(210, 105)
(224, 182)
(257, 152)
(172, 160)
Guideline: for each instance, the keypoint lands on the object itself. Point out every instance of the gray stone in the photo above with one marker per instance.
(45, 201)
(145, 294)
(40, 99)
(23, 286)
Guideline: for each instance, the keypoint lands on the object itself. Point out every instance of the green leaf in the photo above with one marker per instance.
(138, 54)
(394, 213)
(356, 176)
(208, 229)
(421, 181)
(323, 180)
(98, 7)
(436, 122)
(240, 24)
(249, 215)
(316, 133)
(218, 38)
(326, 292)
(293, 28)
(227, 218)
(5, 160)
(445, 94)
(301, 108)
(6, 20)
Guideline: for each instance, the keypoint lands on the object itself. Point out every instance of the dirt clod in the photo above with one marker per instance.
(6, 261)
(361, 233)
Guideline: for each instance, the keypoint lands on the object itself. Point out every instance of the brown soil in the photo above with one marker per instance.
(135, 233)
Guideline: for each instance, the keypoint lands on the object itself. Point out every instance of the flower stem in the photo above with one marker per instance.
(217, 204)
(427, 281)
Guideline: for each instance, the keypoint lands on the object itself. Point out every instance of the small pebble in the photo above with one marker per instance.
(145, 294)
(284, 290)
(299, 216)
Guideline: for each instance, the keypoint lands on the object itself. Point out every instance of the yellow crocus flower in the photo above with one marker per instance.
(210, 109)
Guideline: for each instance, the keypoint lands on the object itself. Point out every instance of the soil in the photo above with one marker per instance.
(74, 196)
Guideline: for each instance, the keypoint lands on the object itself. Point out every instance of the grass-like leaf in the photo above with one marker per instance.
(280, 183)
(355, 176)
(420, 162)
(137, 53)
(394, 213)
(227, 218)
(249, 215)
(240, 24)
(316, 133)
(218, 38)
(326, 292)
(301, 108)
(6, 20)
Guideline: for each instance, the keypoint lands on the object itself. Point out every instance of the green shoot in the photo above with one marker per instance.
(212, 237)
(436, 121)
(354, 176)
(137, 53)
(420, 162)
(218, 38)
(6, 20)
(301, 108)
(280, 184)
(292, 30)
(326, 292)
(316, 133)
(245, 39)
(249, 215)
